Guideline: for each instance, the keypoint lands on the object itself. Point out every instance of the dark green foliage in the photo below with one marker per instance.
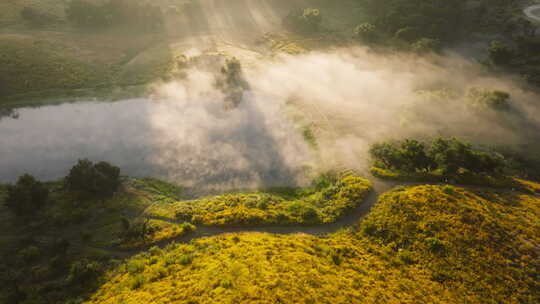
(409, 155)
(101, 179)
(137, 231)
(500, 53)
(451, 154)
(446, 155)
(82, 271)
(27, 196)
(411, 20)
(305, 21)
(84, 13)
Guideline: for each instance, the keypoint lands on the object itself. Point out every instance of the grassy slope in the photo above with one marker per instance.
(324, 203)
(60, 61)
(426, 244)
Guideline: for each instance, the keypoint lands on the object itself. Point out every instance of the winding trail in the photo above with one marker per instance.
(348, 221)
(533, 12)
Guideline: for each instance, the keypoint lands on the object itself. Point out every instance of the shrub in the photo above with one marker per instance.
(185, 259)
(448, 190)
(187, 227)
(101, 179)
(136, 282)
(82, 271)
(135, 266)
(434, 244)
(27, 196)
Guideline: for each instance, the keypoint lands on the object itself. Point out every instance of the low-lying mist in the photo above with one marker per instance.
(347, 98)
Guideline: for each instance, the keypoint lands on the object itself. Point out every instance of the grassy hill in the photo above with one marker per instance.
(425, 244)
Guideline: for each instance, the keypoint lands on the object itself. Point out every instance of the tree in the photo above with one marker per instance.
(101, 179)
(232, 82)
(27, 196)
(414, 156)
(385, 155)
(500, 53)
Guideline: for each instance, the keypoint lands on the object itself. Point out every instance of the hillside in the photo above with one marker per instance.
(425, 244)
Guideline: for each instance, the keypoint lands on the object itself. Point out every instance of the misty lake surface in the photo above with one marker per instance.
(194, 145)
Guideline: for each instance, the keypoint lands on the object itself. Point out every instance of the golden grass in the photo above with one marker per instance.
(426, 244)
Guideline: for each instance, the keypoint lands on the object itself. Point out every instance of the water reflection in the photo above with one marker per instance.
(197, 144)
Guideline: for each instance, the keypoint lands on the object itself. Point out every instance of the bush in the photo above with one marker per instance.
(101, 179)
(82, 271)
(185, 259)
(27, 196)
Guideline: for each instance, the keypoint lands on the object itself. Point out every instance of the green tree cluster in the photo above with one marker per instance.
(447, 155)
(27, 196)
(101, 179)
(412, 20)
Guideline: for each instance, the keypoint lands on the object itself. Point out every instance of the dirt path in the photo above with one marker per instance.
(533, 12)
(351, 220)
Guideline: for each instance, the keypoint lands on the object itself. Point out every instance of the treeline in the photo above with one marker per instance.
(447, 155)
(87, 179)
(412, 20)
(83, 13)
